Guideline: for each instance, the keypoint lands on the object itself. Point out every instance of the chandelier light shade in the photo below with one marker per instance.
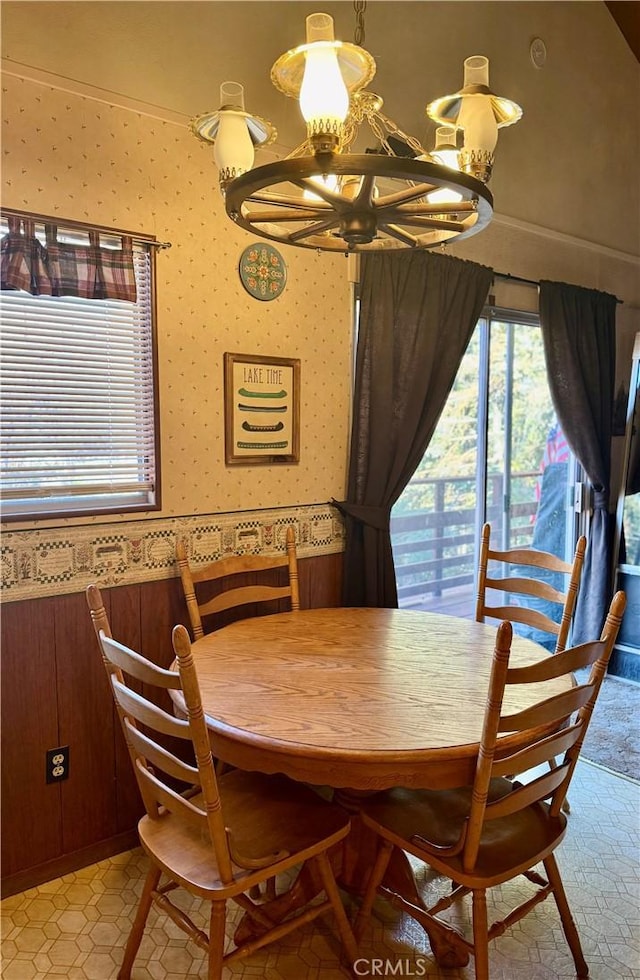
(233, 151)
(233, 132)
(325, 196)
(479, 113)
(324, 99)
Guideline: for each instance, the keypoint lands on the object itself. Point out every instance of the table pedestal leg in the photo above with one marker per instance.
(307, 885)
(351, 864)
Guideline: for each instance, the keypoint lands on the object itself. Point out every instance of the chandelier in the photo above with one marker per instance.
(323, 195)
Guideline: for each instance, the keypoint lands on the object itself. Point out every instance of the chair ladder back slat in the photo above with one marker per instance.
(146, 713)
(536, 754)
(159, 756)
(552, 710)
(539, 789)
(139, 667)
(526, 586)
(167, 797)
(243, 596)
(532, 557)
(521, 614)
(566, 662)
(237, 565)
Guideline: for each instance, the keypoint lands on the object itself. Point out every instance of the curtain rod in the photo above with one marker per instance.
(528, 282)
(42, 219)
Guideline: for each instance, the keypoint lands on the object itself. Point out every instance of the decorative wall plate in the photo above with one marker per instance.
(263, 272)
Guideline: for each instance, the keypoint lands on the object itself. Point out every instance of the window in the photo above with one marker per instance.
(79, 428)
(497, 455)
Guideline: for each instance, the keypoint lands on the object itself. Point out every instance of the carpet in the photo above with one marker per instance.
(613, 738)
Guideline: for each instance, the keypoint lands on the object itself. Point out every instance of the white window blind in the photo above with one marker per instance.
(78, 426)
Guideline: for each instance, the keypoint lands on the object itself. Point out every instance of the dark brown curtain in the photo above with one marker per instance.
(417, 313)
(578, 329)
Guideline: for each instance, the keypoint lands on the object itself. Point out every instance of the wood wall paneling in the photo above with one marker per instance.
(321, 581)
(31, 811)
(55, 692)
(87, 725)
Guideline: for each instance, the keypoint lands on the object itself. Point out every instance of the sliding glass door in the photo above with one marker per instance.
(497, 455)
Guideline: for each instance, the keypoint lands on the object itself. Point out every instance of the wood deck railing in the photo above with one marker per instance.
(434, 549)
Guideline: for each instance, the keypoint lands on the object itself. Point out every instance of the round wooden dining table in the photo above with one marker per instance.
(356, 699)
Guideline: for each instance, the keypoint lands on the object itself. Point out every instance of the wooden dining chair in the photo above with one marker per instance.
(220, 836)
(195, 580)
(529, 587)
(524, 589)
(495, 830)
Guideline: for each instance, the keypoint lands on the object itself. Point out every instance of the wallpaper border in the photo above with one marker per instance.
(57, 561)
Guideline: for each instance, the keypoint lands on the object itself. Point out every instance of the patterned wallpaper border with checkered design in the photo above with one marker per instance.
(38, 563)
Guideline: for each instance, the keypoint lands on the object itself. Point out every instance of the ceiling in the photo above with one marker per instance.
(171, 57)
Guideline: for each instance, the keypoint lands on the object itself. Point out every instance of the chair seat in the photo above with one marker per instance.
(520, 840)
(265, 815)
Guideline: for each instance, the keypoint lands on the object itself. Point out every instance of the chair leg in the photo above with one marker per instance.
(330, 887)
(377, 874)
(480, 934)
(568, 925)
(216, 939)
(137, 929)
(270, 889)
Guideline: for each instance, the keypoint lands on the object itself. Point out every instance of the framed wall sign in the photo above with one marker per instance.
(261, 409)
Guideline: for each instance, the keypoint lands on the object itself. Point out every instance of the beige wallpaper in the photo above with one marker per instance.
(75, 155)
(69, 155)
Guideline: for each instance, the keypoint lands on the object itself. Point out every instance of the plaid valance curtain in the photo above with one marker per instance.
(59, 268)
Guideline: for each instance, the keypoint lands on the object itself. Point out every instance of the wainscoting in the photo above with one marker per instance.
(55, 693)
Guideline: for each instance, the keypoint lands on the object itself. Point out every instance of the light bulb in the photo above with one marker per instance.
(233, 149)
(330, 181)
(444, 196)
(445, 150)
(324, 99)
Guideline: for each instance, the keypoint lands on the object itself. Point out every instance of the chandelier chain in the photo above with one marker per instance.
(381, 126)
(359, 6)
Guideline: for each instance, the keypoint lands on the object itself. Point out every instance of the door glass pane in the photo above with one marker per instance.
(433, 524)
(498, 454)
(527, 454)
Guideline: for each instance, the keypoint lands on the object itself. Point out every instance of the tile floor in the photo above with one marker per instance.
(76, 926)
